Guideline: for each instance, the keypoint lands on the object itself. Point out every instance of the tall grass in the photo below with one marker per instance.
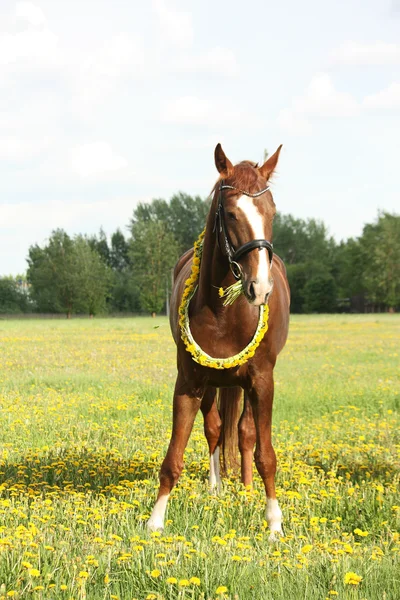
(85, 419)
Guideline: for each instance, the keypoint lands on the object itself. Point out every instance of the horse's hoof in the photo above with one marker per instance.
(275, 536)
(155, 525)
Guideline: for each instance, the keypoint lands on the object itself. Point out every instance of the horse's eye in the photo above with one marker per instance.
(232, 216)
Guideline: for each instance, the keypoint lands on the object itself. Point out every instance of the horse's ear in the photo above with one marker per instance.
(269, 166)
(223, 164)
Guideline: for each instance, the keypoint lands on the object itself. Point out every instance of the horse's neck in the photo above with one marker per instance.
(215, 274)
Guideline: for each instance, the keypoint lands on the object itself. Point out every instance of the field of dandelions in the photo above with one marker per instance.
(85, 419)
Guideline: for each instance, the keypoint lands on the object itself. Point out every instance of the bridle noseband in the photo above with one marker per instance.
(235, 255)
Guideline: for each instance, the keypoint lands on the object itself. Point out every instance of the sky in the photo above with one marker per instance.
(107, 104)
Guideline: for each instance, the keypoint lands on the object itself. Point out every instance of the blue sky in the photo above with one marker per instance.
(105, 104)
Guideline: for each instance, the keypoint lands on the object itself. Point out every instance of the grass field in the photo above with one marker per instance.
(85, 413)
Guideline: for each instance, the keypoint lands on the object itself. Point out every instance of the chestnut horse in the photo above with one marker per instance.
(237, 244)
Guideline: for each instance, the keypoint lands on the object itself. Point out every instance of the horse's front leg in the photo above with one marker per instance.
(212, 430)
(187, 400)
(261, 396)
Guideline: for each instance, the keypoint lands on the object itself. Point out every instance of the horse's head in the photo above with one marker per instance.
(244, 214)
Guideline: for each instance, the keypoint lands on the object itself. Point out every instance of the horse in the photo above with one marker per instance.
(236, 247)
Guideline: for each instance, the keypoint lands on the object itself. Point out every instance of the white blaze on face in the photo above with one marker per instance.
(256, 222)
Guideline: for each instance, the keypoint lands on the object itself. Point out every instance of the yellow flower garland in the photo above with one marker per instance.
(197, 353)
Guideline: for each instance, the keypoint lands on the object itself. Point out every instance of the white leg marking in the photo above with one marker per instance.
(215, 479)
(156, 521)
(273, 516)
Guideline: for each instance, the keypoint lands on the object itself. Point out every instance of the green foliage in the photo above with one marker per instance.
(184, 217)
(380, 245)
(67, 275)
(93, 274)
(320, 294)
(13, 299)
(94, 278)
(153, 253)
(298, 241)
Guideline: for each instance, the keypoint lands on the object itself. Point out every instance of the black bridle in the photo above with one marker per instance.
(235, 255)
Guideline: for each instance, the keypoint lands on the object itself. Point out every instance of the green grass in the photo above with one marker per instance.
(85, 419)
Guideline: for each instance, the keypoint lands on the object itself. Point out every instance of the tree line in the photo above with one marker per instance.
(132, 273)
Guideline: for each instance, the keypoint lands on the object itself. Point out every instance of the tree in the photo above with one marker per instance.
(100, 245)
(153, 253)
(67, 275)
(380, 243)
(298, 241)
(51, 273)
(94, 278)
(320, 294)
(184, 217)
(119, 254)
(12, 299)
(349, 267)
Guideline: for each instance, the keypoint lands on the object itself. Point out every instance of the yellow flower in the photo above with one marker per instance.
(63, 587)
(172, 580)
(107, 579)
(306, 549)
(361, 533)
(155, 573)
(352, 578)
(83, 575)
(222, 589)
(221, 292)
(34, 572)
(195, 580)
(183, 582)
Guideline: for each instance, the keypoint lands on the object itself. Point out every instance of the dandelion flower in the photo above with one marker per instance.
(155, 573)
(222, 589)
(352, 578)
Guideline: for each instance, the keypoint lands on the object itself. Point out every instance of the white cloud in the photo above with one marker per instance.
(320, 100)
(95, 158)
(175, 26)
(191, 110)
(121, 54)
(31, 13)
(294, 122)
(387, 99)
(34, 47)
(16, 149)
(357, 54)
(217, 61)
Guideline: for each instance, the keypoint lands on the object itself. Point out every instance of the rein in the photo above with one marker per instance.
(235, 255)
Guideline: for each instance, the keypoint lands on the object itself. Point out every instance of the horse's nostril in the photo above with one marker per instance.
(252, 292)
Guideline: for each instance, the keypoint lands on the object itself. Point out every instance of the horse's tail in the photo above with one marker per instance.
(228, 405)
